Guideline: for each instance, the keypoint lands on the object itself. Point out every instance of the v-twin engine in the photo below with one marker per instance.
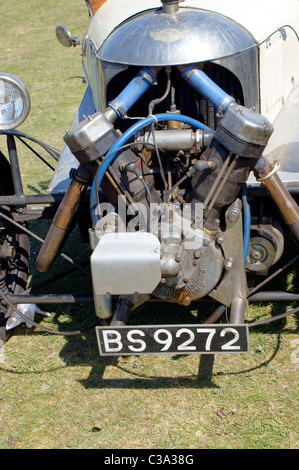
(166, 193)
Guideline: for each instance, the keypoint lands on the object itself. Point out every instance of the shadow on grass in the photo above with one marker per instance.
(202, 380)
(83, 349)
(78, 351)
(146, 314)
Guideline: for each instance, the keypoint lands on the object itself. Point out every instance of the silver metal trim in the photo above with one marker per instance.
(126, 263)
(223, 105)
(88, 131)
(191, 35)
(275, 170)
(21, 87)
(170, 7)
(245, 67)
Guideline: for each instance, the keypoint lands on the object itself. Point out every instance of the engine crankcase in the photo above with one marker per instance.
(198, 271)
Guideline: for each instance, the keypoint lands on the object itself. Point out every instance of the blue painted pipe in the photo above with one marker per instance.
(124, 139)
(133, 91)
(207, 88)
(246, 222)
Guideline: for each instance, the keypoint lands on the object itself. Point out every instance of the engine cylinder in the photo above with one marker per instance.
(202, 183)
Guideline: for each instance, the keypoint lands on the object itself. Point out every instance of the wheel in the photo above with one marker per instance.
(14, 253)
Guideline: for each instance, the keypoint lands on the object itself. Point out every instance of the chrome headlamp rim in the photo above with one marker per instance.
(23, 90)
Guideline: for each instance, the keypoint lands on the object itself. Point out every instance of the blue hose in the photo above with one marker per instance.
(247, 221)
(126, 136)
(133, 91)
(130, 133)
(207, 88)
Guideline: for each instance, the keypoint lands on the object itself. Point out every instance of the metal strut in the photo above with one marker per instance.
(122, 312)
(67, 258)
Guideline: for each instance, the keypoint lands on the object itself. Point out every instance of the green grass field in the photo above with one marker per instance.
(55, 391)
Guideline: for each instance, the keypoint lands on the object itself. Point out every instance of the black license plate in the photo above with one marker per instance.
(172, 339)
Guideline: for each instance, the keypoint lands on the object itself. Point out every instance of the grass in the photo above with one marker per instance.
(55, 391)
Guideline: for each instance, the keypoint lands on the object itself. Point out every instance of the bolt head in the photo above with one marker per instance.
(233, 215)
(197, 254)
(256, 254)
(219, 239)
(228, 264)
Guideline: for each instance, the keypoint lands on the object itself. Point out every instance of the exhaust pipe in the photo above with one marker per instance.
(63, 219)
(266, 174)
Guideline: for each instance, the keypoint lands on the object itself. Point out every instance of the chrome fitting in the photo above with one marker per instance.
(171, 6)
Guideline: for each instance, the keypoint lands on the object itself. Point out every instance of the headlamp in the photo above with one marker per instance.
(14, 102)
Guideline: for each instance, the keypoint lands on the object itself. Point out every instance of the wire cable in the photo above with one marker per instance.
(123, 147)
(154, 102)
(41, 240)
(159, 158)
(276, 317)
(123, 139)
(47, 330)
(279, 271)
(180, 181)
(51, 150)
